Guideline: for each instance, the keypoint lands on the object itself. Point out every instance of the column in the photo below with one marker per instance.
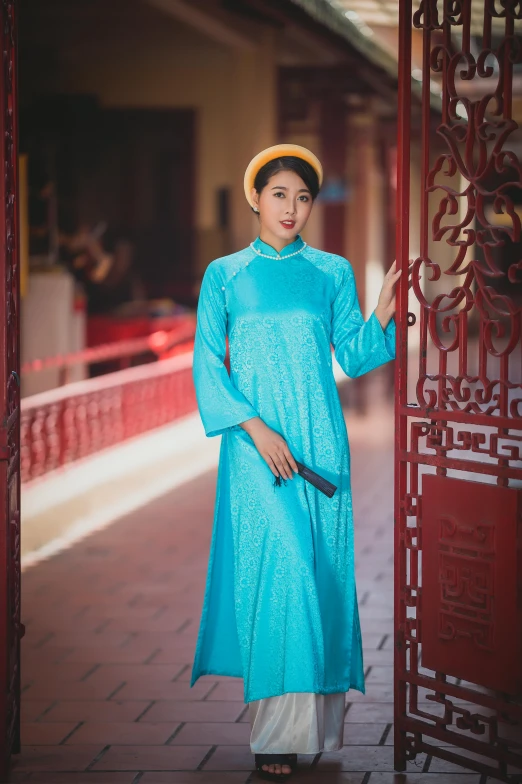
(253, 126)
(333, 157)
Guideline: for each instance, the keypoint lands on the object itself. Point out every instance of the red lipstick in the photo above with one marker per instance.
(287, 224)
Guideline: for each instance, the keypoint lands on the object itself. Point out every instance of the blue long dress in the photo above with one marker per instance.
(280, 605)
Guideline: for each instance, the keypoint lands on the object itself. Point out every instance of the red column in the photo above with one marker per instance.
(333, 140)
(11, 629)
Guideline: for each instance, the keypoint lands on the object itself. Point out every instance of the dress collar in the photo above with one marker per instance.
(263, 249)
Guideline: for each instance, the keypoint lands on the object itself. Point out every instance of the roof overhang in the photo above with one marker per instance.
(326, 14)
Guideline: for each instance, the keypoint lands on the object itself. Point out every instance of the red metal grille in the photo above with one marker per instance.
(458, 597)
(10, 627)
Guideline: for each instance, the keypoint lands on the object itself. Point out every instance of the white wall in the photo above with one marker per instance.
(50, 326)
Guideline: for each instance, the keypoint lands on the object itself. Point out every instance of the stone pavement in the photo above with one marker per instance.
(111, 630)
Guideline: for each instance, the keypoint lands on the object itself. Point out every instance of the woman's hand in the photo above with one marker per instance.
(386, 306)
(272, 447)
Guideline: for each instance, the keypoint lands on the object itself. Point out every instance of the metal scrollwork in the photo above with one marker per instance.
(459, 453)
(10, 385)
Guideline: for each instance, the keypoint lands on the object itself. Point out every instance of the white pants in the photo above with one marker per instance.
(297, 723)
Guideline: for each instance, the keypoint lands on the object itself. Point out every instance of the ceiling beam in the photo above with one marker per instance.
(205, 23)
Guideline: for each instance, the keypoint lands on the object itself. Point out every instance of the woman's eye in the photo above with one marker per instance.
(304, 198)
(279, 193)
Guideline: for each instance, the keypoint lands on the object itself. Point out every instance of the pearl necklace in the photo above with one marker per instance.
(278, 256)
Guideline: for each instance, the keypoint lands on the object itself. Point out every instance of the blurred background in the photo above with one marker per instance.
(137, 119)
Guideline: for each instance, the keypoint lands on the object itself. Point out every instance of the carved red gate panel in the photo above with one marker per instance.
(10, 627)
(471, 623)
(458, 499)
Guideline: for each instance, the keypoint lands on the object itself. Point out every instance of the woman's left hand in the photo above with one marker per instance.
(386, 306)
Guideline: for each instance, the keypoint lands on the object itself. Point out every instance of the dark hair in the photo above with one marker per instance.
(288, 163)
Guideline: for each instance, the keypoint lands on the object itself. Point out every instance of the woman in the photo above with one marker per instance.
(280, 607)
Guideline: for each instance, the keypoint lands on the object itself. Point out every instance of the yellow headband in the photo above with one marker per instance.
(278, 151)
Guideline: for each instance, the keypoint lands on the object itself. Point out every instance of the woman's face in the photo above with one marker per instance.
(284, 205)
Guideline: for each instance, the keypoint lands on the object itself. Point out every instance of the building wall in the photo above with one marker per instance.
(168, 66)
(163, 63)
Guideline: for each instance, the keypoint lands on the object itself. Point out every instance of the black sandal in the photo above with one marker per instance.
(275, 759)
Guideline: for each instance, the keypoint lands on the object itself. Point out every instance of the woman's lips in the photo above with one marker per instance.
(287, 224)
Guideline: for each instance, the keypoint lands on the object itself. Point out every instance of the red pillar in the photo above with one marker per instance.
(11, 629)
(333, 157)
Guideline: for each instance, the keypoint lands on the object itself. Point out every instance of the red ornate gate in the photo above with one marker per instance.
(10, 626)
(458, 507)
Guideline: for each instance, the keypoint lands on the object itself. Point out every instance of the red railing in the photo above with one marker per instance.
(72, 422)
(162, 344)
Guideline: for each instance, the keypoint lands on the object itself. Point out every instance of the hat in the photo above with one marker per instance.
(278, 151)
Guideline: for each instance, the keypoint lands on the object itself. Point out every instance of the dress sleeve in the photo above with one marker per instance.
(359, 345)
(221, 405)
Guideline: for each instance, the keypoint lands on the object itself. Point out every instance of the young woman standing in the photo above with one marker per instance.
(280, 607)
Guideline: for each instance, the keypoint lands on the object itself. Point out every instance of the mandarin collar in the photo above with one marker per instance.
(288, 250)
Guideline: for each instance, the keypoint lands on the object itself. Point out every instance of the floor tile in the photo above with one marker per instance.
(152, 758)
(100, 710)
(193, 711)
(217, 733)
(55, 758)
(356, 734)
(123, 733)
(31, 710)
(424, 778)
(152, 690)
(194, 777)
(39, 734)
(72, 777)
(366, 712)
(230, 758)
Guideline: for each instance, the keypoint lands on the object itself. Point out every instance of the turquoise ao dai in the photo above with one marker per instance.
(280, 605)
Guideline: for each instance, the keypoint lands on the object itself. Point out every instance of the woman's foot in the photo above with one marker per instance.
(277, 768)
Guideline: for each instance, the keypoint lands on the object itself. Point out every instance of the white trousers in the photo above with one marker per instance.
(297, 723)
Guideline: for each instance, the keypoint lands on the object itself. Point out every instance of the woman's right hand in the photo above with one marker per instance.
(272, 447)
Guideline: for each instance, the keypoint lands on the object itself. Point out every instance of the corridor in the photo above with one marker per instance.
(111, 630)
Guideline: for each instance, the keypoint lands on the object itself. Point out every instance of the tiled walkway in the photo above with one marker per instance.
(111, 630)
